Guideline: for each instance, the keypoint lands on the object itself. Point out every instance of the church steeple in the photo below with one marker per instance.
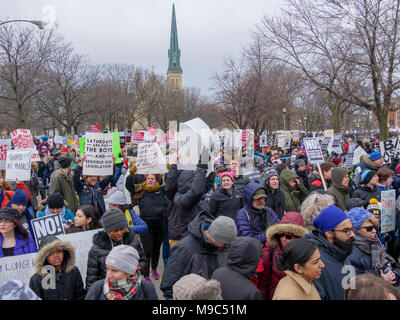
(174, 73)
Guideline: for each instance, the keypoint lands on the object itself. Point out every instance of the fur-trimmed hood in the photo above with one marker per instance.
(291, 222)
(69, 256)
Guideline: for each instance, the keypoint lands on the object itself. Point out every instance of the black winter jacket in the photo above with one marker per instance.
(366, 193)
(224, 204)
(243, 258)
(102, 245)
(193, 254)
(153, 206)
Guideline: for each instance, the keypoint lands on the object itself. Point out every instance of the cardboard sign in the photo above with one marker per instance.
(18, 165)
(284, 141)
(329, 133)
(5, 145)
(296, 135)
(357, 155)
(313, 150)
(388, 215)
(150, 159)
(98, 151)
(47, 225)
(389, 149)
(263, 141)
(22, 139)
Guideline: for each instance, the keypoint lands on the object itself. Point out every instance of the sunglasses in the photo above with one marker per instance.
(288, 236)
(369, 228)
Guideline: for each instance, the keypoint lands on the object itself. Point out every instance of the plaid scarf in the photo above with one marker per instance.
(122, 290)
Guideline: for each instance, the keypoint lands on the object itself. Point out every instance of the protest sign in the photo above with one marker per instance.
(336, 143)
(389, 149)
(263, 141)
(95, 128)
(98, 152)
(58, 140)
(325, 143)
(18, 165)
(284, 141)
(388, 214)
(34, 155)
(296, 135)
(46, 226)
(357, 155)
(329, 133)
(5, 145)
(313, 150)
(22, 139)
(138, 137)
(150, 159)
(350, 156)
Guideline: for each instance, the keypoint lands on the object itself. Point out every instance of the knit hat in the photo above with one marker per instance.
(195, 287)
(124, 258)
(260, 193)
(397, 169)
(366, 176)
(55, 201)
(299, 163)
(358, 216)
(268, 174)
(114, 219)
(45, 138)
(223, 229)
(329, 218)
(9, 213)
(375, 156)
(336, 160)
(374, 207)
(64, 149)
(117, 197)
(65, 161)
(230, 174)
(19, 197)
(356, 202)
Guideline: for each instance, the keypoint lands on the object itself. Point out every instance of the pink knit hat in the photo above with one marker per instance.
(230, 174)
(397, 169)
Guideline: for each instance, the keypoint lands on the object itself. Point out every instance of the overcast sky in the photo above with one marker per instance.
(138, 31)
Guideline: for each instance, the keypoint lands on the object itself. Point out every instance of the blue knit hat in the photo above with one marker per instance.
(45, 138)
(358, 216)
(329, 218)
(366, 176)
(19, 197)
(375, 156)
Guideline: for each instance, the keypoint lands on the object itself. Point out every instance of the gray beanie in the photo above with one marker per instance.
(195, 287)
(124, 258)
(114, 219)
(117, 197)
(223, 229)
(268, 174)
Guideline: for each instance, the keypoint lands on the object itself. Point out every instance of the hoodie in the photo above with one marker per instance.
(340, 194)
(294, 195)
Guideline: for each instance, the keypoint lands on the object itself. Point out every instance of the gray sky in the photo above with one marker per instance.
(138, 31)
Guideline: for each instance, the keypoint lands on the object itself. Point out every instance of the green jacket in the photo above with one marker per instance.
(340, 194)
(294, 196)
(64, 186)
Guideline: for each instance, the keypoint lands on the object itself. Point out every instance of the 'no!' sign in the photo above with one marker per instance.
(45, 226)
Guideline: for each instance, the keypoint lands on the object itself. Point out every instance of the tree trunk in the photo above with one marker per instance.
(383, 127)
(337, 120)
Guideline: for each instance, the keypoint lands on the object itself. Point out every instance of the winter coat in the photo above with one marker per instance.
(192, 186)
(224, 204)
(315, 182)
(21, 246)
(33, 187)
(340, 194)
(69, 284)
(329, 285)
(292, 223)
(245, 215)
(303, 178)
(6, 195)
(153, 206)
(102, 245)
(366, 193)
(240, 182)
(132, 179)
(85, 193)
(64, 186)
(295, 287)
(67, 216)
(294, 196)
(195, 253)
(146, 291)
(243, 258)
(275, 199)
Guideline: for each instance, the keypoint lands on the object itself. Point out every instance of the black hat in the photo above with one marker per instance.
(55, 201)
(56, 153)
(65, 161)
(9, 213)
(47, 240)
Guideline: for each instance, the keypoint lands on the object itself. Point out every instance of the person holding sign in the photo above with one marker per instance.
(59, 257)
(14, 239)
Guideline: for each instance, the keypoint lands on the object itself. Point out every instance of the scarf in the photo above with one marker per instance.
(257, 215)
(62, 214)
(122, 290)
(141, 188)
(375, 249)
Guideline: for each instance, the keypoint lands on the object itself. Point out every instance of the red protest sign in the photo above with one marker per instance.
(22, 139)
(95, 128)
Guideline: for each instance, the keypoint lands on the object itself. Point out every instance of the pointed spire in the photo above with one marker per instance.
(174, 53)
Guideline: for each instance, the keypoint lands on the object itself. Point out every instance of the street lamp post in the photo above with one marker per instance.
(284, 118)
(39, 24)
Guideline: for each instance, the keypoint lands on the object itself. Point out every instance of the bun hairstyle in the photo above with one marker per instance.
(298, 251)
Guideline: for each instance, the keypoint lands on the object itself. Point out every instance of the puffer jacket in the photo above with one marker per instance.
(366, 193)
(294, 196)
(243, 258)
(340, 194)
(291, 223)
(224, 204)
(245, 215)
(153, 207)
(102, 245)
(275, 199)
(193, 254)
(69, 284)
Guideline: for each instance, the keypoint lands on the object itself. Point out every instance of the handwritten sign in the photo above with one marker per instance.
(5, 145)
(18, 165)
(95, 128)
(313, 150)
(22, 139)
(284, 141)
(388, 215)
(150, 159)
(99, 151)
(47, 225)
(389, 149)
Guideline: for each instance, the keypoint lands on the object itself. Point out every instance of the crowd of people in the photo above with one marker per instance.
(288, 232)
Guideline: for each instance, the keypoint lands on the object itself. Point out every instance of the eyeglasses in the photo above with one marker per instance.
(369, 228)
(345, 230)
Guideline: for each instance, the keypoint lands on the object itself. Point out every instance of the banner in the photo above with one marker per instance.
(313, 151)
(47, 225)
(98, 152)
(389, 149)
(388, 215)
(284, 141)
(150, 159)
(5, 145)
(18, 165)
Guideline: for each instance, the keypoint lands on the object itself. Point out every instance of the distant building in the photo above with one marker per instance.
(174, 73)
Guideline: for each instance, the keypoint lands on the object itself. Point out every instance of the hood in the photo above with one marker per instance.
(69, 256)
(291, 222)
(286, 176)
(367, 163)
(244, 255)
(184, 180)
(103, 241)
(197, 227)
(249, 191)
(337, 176)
